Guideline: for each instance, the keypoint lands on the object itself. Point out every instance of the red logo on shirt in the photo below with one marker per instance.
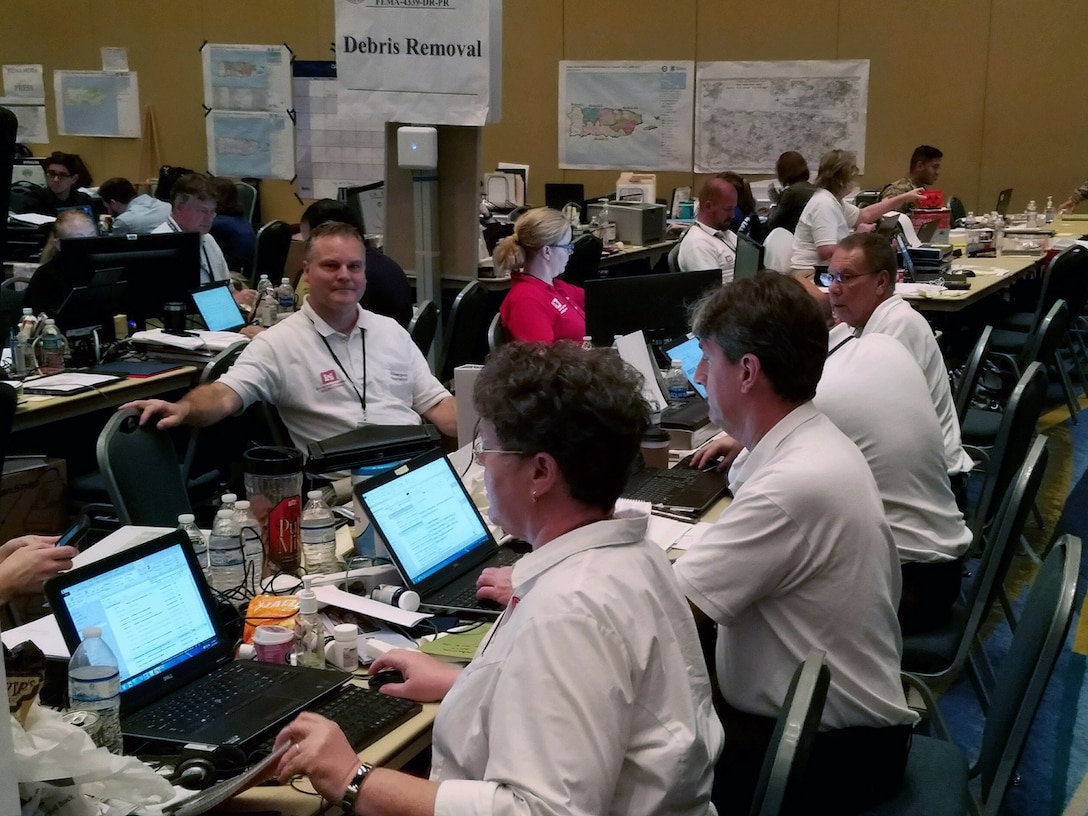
(328, 377)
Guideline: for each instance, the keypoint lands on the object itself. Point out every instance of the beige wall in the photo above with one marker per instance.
(999, 85)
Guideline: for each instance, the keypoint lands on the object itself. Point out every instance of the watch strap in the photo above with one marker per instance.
(347, 804)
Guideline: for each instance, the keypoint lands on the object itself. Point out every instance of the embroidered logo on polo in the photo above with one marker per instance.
(329, 379)
(560, 306)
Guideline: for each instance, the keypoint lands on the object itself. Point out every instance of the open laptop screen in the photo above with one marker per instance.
(217, 308)
(689, 354)
(425, 516)
(151, 611)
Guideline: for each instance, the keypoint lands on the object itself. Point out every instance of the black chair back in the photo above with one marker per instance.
(466, 329)
(423, 325)
(270, 251)
(971, 372)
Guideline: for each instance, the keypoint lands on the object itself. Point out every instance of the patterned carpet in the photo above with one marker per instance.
(1054, 767)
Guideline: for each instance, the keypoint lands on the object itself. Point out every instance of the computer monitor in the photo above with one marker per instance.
(158, 268)
(94, 306)
(749, 258)
(26, 168)
(659, 305)
(367, 201)
(558, 196)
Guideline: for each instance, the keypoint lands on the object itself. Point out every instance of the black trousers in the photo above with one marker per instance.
(849, 770)
(929, 590)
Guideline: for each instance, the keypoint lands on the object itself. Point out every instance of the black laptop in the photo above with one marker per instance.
(682, 490)
(179, 681)
(217, 308)
(433, 531)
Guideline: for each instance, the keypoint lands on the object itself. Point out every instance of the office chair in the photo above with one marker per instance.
(786, 760)
(466, 329)
(209, 451)
(958, 212)
(938, 780)
(270, 251)
(496, 334)
(972, 371)
(674, 257)
(247, 197)
(585, 260)
(141, 471)
(423, 325)
(943, 652)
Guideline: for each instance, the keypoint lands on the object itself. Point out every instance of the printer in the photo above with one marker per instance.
(636, 223)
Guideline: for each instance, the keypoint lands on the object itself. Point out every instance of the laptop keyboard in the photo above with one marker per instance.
(202, 701)
(464, 597)
(363, 715)
(663, 485)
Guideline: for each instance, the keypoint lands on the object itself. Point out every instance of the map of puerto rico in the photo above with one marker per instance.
(594, 120)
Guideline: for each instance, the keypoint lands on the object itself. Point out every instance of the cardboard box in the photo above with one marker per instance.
(33, 497)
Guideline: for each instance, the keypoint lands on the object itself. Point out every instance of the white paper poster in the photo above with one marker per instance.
(30, 115)
(247, 77)
(749, 113)
(625, 115)
(437, 62)
(97, 103)
(26, 81)
(243, 144)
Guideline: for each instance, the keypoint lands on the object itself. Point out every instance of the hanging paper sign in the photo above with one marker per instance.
(431, 61)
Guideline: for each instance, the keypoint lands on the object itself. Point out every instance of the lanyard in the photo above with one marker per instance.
(842, 343)
(348, 377)
(206, 263)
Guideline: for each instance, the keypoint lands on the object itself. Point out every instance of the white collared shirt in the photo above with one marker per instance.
(703, 247)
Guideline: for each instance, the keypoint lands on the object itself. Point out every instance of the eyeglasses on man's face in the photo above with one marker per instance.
(841, 278)
(57, 175)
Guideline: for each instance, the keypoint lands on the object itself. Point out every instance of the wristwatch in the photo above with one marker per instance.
(347, 804)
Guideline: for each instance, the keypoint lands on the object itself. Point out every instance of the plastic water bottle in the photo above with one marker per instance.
(187, 522)
(1048, 213)
(225, 563)
(587, 343)
(309, 631)
(1032, 216)
(285, 296)
(49, 348)
(607, 228)
(263, 285)
(318, 533)
(22, 353)
(267, 308)
(94, 684)
(227, 501)
(677, 381)
(252, 547)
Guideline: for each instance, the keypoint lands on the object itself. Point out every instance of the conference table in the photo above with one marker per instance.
(36, 411)
(992, 275)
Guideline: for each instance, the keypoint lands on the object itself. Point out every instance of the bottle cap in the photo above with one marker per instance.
(314, 494)
(347, 632)
(186, 518)
(92, 631)
(224, 512)
(241, 504)
(229, 498)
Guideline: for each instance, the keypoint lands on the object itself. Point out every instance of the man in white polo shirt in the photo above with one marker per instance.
(193, 204)
(801, 559)
(709, 243)
(328, 368)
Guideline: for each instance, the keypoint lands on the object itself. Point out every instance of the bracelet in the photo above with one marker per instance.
(347, 804)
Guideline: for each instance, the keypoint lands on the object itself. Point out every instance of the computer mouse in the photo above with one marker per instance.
(379, 679)
(967, 273)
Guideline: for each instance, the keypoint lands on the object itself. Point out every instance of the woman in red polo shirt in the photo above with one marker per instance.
(540, 307)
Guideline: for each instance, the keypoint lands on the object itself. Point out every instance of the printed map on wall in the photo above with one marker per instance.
(625, 115)
(247, 77)
(244, 144)
(748, 113)
(97, 103)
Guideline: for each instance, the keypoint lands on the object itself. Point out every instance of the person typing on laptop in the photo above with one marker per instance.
(328, 368)
(590, 695)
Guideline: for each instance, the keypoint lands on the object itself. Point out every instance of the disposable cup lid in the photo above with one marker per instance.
(272, 635)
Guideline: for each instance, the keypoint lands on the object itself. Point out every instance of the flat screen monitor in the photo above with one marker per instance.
(92, 306)
(658, 305)
(558, 196)
(158, 268)
(749, 258)
(368, 203)
(28, 169)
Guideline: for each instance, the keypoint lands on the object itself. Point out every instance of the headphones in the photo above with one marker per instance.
(201, 766)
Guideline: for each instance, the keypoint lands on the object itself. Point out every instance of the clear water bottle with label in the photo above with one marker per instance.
(94, 684)
(225, 563)
(318, 533)
(252, 548)
(22, 352)
(587, 343)
(677, 381)
(263, 285)
(187, 522)
(285, 297)
(1048, 213)
(49, 348)
(1032, 216)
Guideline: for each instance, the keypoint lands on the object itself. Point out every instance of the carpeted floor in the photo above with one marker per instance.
(1054, 767)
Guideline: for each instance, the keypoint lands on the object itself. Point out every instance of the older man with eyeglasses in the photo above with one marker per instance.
(861, 289)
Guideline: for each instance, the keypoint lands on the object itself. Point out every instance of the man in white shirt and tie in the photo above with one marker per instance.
(709, 243)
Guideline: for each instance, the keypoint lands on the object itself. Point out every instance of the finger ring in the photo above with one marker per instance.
(298, 747)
